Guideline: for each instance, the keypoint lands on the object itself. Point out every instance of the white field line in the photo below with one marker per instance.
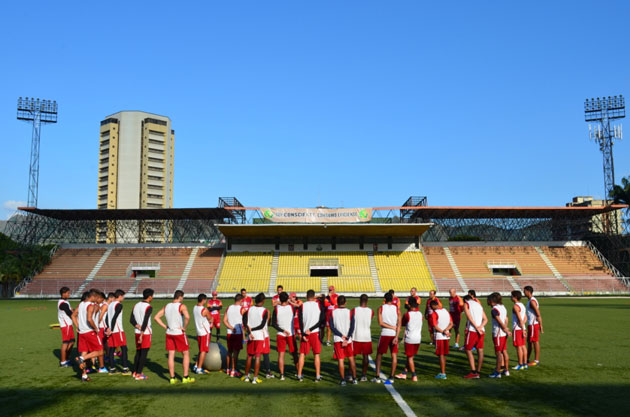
(395, 395)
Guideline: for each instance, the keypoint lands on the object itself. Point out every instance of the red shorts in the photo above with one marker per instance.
(282, 342)
(500, 343)
(341, 352)
(67, 334)
(178, 342)
(441, 347)
(101, 335)
(146, 341)
(533, 333)
(362, 348)
(474, 340)
(89, 342)
(216, 321)
(385, 342)
(255, 347)
(267, 346)
(456, 317)
(117, 339)
(235, 342)
(311, 342)
(204, 343)
(328, 316)
(411, 349)
(519, 339)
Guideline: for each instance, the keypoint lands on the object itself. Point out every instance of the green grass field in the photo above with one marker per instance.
(585, 371)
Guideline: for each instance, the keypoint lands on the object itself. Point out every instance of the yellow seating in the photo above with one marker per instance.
(401, 271)
(296, 264)
(250, 270)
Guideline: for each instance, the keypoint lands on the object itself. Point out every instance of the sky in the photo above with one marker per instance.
(300, 104)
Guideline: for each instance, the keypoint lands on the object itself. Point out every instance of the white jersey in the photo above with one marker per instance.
(311, 313)
(362, 324)
(284, 318)
(139, 311)
(389, 315)
(116, 327)
(201, 323)
(62, 317)
(497, 331)
(476, 311)
(443, 320)
(342, 319)
(174, 320)
(521, 313)
(413, 327)
(255, 317)
(235, 318)
(82, 317)
(102, 317)
(532, 318)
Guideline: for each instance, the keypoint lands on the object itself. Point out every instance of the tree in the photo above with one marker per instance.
(621, 195)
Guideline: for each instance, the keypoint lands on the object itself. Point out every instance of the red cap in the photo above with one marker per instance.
(214, 293)
(293, 295)
(331, 288)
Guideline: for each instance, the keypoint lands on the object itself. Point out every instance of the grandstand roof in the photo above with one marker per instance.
(340, 230)
(133, 214)
(510, 212)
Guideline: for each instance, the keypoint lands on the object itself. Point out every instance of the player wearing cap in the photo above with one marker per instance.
(64, 317)
(500, 333)
(412, 320)
(441, 324)
(389, 319)
(177, 318)
(214, 307)
(519, 323)
(275, 300)
(362, 337)
(117, 338)
(255, 323)
(282, 321)
(475, 333)
(342, 326)
(428, 311)
(233, 320)
(311, 316)
(203, 325)
(534, 326)
(331, 305)
(90, 345)
(141, 321)
(455, 308)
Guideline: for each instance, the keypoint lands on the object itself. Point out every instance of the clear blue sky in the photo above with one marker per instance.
(300, 103)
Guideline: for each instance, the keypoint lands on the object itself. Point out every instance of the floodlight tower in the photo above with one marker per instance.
(601, 111)
(36, 111)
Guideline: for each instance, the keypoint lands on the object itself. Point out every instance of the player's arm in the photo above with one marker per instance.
(352, 323)
(158, 318)
(274, 322)
(333, 329)
(534, 305)
(301, 320)
(398, 326)
(322, 319)
(521, 321)
(117, 312)
(66, 309)
(90, 318)
(184, 312)
(225, 321)
(75, 318)
(484, 321)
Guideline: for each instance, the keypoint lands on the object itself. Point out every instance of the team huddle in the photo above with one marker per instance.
(301, 326)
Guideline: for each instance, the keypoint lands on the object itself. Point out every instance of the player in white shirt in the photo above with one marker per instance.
(282, 321)
(442, 323)
(117, 337)
(64, 317)
(140, 319)
(203, 325)
(177, 320)
(475, 334)
(362, 338)
(233, 320)
(389, 319)
(412, 321)
(99, 319)
(311, 315)
(534, 326)
(500, 334)
(342, 326)
(255, 324)
(90, 345)
(519, 325)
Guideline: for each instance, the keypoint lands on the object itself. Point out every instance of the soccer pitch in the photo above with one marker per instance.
(585, 370)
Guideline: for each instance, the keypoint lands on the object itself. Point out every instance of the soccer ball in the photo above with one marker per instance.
(215, 358)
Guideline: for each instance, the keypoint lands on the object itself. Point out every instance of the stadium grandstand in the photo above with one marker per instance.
(558, 250)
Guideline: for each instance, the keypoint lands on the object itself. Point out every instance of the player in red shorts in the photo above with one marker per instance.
(282, 321)
(233, 320)
(475, 333)
(534, 326)
(255, 324)
(141, 321)
(441, 323)
(362, 338)
(247, 300)
(331, 305)
(500, 334)
(428, 311)
(389, 319)
(519, 326)
(311, 315)
(203, 326)
(116, 333)
(455, 308)
(100, 319)
(275, 300)
(214, 307)
(64, 316)
(412, 320)
(90, 345)
(342, 326)
(177, 318)
(296, 303)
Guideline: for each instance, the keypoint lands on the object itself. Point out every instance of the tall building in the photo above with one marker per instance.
(135, 169)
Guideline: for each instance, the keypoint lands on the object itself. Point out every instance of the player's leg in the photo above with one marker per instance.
(443, 364)
(124, 360)
(267, 365)
(248, 365)
(111, 359)
(366, 363)
(471, 360)
(171, 363)
(317, 363)
(186, 362)
(379, 358)
(229, 362)
(256, 366)
(300, 366)
(353, 368)
(411, 365)
(394, 365)
(281, 363)
(479, 359)
(342, 370)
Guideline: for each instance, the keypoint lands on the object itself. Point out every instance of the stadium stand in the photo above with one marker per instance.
(438, 262)
(401, 270)
(251, 270)
(296, 264)
(71, 264)
(575, 260)
(172, 261)
(203, 271)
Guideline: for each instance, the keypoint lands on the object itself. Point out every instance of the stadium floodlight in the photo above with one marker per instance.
(36, 111)
(601, 111)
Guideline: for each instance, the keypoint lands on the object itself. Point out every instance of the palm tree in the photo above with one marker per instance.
(621, 195)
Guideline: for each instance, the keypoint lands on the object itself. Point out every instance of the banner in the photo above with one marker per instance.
(306, 215)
